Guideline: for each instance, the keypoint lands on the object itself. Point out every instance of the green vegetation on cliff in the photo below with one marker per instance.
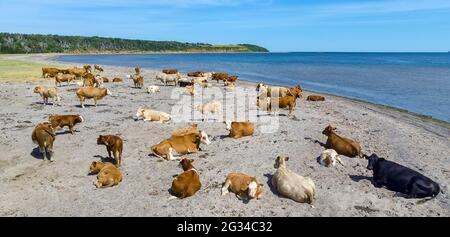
(35, 43)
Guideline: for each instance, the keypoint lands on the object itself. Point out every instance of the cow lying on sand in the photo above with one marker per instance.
(401, 179)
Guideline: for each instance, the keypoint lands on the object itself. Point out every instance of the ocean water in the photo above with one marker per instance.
(417, 82)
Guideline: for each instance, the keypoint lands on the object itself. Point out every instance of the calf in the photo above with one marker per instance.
(187, 183)
(294, 186)
(211, 107)
(342, 145)
(315, 98)
(153, 89)
(138, 80)
(107, 174)
(329, 157)
(105, 79)
(240, 129)
(113, 144)
(152, 115)
(46, 93)
(44, 136)
(242, 185)
(59, 121)
(92, 93)
(401, 179)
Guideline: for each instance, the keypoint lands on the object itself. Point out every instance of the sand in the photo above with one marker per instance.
(33, 187)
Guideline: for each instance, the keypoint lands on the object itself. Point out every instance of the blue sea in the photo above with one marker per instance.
(417, 82)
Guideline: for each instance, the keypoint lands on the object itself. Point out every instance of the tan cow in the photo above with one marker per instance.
(108, 175)
(63, 78)
(240, 129)
(96, 94)
(184, 144)
(44, 136)
(152, 115)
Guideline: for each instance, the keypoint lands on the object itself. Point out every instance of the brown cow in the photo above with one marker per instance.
(60, 121)
(187, 183)
(342, 145)
(113, 144)
(219, 76)
(195, 74)
(288, 101)
(170, 71)
(117, 79)
(49, 72)
(44, 136)
(315, 98)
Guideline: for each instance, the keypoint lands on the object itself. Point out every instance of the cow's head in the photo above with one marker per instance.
(280, 161)
(79, 119)
(38, 89)
(102, 140)
(204, 138)
(373, 159)
(255, 190)
(96, 166)
(108, 92)
(328, 130)
(140, 113)
(186, 164)
(228, 123)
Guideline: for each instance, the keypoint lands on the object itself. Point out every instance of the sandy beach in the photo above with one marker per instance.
(32, 187)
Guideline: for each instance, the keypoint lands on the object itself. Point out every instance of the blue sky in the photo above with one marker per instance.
(290, 25)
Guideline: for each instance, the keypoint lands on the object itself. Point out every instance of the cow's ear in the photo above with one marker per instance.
(287, 158)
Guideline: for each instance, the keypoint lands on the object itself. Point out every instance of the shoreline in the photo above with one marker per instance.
(47, 58)
(423, 117)
(63, 188)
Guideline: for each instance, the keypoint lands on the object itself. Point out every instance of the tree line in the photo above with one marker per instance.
(36, 43)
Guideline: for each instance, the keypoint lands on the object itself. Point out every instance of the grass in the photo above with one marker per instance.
(16, 70)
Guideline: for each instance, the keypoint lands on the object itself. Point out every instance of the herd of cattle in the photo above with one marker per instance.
(188, 140)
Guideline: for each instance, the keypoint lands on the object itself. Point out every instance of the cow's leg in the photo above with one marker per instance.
(71, 128)
(338, 158)
(95, 102)
(225, 187)
(117, 158)
(82, 102)
(50, 152)
(109, 151)
(43, 152)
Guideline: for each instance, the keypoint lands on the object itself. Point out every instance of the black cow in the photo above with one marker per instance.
(185, 83)
(401, 179)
